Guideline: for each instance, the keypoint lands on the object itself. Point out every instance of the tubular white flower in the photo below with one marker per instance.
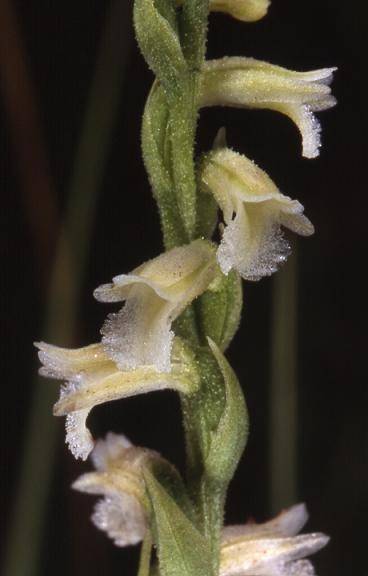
(272, 548)
(119, 479)
(155, 294)
(93, 378)
(254, 211)
(245, 10)
(246, 82)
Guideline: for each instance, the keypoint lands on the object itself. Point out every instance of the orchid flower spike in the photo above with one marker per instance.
(122, 513)
(93, 378)
(250, 83)
(155, 294)
(254, 211)
(272, 548)
(245, 10)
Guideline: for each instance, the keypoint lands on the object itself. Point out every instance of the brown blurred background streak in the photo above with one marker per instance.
(51, 67)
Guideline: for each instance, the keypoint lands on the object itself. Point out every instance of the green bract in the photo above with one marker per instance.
(182, 549)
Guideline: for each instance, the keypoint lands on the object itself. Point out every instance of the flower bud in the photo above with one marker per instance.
(245, 10)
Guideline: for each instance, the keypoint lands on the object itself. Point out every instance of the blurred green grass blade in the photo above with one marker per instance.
(283, 430)
(27, 530)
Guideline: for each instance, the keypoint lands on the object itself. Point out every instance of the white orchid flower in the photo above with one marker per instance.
(254, 211)
(122, 513)
(155, 294)
(246, 82)
(272, 548)
(93, 378)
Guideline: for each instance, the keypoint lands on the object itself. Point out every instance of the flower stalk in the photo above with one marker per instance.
(182, 309)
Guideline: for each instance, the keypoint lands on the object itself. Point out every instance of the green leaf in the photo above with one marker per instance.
(182, 550)
(159, 43)
(229, 439)
(172, 482)
(220, 310)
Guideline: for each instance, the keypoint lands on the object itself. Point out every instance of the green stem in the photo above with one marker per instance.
(211, 502)
(194, 22)
(183, 117)
(145, 557)
(168, 143)
(156, 149)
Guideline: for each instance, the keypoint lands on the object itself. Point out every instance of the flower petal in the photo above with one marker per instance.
(117, 386)
(288, 523)
(107, 451)
(268, 556)
(66, 363)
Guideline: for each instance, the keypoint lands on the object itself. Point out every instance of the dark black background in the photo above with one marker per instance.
(60, 40)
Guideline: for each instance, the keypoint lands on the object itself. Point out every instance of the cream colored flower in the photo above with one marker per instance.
(254, 211)
(93, 378)
(246, 10)
(245, 82)
(272, 548)
(137, 353)
(122, 513)
(155, 294)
